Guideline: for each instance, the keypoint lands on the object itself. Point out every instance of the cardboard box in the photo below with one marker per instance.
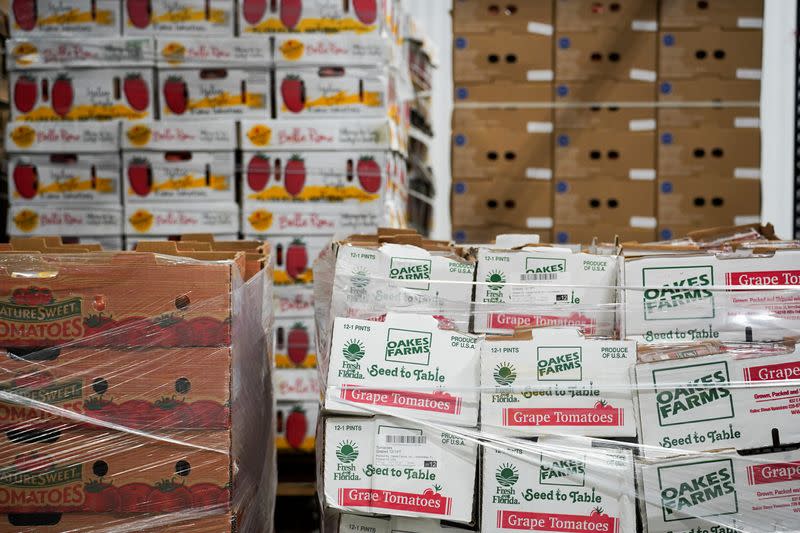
(605, 201)
(731, 491)
(88, 178)
(514, 144)
(213, 93)
(585, 234)
(162, 388)
(322, 49)
(701, 313)
(731, 103)
(589, 15)
(214, 523)
(601, 104)
(709, 153)
(558, 484)
(487, 15)
(65, 137)
(79, 18)
(308, 134)
(77, 220)
(599, 153)
(62, 52)
(170, 161)
(399, 468)
(296, 384)
(738, 14)
(205, 52)
(708, 202)
(73, 474)
(78, 94)
(606, 54)
(507, 94)
(315, 16)
(165, 219)
(210, 18)
(548, 286)
(294, 341)
(487, 234)
(526, 203)
(710, 53)
(487, 57)
(555, 381)
(296, 426)
(405, 366)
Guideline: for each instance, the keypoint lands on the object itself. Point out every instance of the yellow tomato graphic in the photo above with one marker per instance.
(260, 135)
(26, 220)
(23, 136)
(141, 220)
(292, 49)
(261, 220)
(138, 134)
(25, 53)
(174, 53)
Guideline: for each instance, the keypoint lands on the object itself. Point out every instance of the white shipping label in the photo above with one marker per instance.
(404, 448)
(647, 124)
(540, 28)
(746, 122)
(540, 127)
(533, 173)
(747, 173)
(642, 74)
(750, 23)
(644, 25)
(748, 73)
(646, 174)
(540, 75)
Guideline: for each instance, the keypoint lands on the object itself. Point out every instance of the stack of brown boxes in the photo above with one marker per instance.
(502, 122)
(708, 125)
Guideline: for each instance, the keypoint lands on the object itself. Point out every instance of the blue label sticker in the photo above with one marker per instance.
(461, 188)
(460, 236)
(462, 93)
(562, 237)
(666, 187)
(562, 187)
(666, 138)
(563, 42)
(666, 234)
(562, 90)
(563, 140)
(461, 43)
(461, 140)
(666, 87)
(669, 39)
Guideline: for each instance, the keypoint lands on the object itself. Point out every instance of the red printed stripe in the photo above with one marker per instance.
(438, 401)
(515, 320)
(563, 416)
(773, 473)
(527, 521)
(769, 277)
(776, 372)
(432, 503)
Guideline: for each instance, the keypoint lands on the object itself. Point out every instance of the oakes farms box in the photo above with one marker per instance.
(167, 219)
(313, 16)
(59, 52)
(296, 425)
(387, 466)
(371, 281)
(739, 297)
(213, 92)
(67, 137)
(126, 473)
(404, 366)
(555, 381)
(211, 18)
(719, 401)
(78, 18)
(73, 220)
(173, 161)
(88, 178)
(544, 286)
(294, 341)
(352, 523)
(153, 390)
(558, 484)
(722, 492)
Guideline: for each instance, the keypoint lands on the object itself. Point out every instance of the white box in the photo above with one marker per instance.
(259, 222)
(76, 18)
(71, 52)
(405, 366)
(320, 49)
(64, 137)
(165, 219)
(296, 384)
(294, 342)
(188, 94)
(320, 16)
(180, 17)
(555, 381)
(352, 523)
(296, 425)
(205, 52)
(390, 466)
(71, 220)
(305, 134)
(58, 178)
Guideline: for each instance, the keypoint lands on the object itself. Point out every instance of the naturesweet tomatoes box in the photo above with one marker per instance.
(179, 17)
(76, 18)
(314, 16)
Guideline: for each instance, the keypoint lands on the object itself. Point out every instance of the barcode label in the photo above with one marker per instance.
(406, 439)
(539, 276)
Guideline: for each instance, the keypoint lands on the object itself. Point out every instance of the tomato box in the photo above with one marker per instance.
(82, 94)
(314, 16)
(558, 484)
(60, 52)
(547, 381)
(174, 161)
(70, 472)
(213, 92)
(166, 219)
(156, 389)
(259, 222)
(78, 18)
(294, 342)
(212, 18)
(352, 523)
(294, 255)
(200, 52)
(296, 426)
(297, 302)
(65, 137)
(188, 523)
(90, 178)
(405, 365)
(75, 220)
(396, 467)
(544, 286)
(321, 49)
(296, 384)
(134, 300)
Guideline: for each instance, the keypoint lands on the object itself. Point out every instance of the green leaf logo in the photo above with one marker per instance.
(505, 374)
(507, 475)
(347, 452)
(353, 350)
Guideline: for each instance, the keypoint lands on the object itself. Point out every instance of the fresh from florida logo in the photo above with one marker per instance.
(677, 293)
(495, 280)
(559, 363)
(507, 475)
(564, 472)
(347, 451)
(353, 350)
(415, 271)
(693, 393)
(505, 374)
(34, 313)
(408, 346)
(359, 279)
(698, 489)
(544, 268)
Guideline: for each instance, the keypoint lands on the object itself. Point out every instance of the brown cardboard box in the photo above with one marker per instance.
(583, 234)
(205, 521)
(487, 234)
(502, 56)
(483, 147)
(606, 54)
(729, 14)
(605, 201)
(710, 52)
(504, 93)
(590, 15)
(596, 153)
(709, 202)
(731, 103)
(490, 15)
(601, 104)
(709, 153)
(522, 204)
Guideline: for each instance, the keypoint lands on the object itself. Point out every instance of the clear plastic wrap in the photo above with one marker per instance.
(135, 389)
(630, 391)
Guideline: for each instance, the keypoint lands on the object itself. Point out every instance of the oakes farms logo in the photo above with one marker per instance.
(347, 451)
(353, 350)
(507, 475)
(559, 363)
(359, 279)
(544, 268)
(674, 293)
(495, 280)
(416, 272)
(408, 346)
(505, 374)
(562, 472)
(693, 393)
(37, 304)
(697, 490)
